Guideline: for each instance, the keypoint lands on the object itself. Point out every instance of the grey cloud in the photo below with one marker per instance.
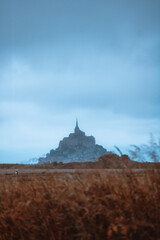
(27, 22)
(95, 79)
(79, 58)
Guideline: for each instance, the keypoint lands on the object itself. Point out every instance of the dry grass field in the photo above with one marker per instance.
(83, 205)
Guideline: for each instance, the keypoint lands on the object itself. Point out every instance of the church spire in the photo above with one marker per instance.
(76, 130)
(77, 123)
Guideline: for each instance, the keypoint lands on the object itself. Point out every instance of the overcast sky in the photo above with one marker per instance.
(98, 60)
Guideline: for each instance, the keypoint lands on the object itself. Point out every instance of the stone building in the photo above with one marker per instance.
(74, 148)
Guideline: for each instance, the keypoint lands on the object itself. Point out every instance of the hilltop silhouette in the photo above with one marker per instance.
(76, 147)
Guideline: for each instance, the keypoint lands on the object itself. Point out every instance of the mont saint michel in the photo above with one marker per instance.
(75, 148)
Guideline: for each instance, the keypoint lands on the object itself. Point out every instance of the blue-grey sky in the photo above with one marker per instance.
(98, 60)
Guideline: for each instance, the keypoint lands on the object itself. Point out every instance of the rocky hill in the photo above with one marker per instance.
(77, 147)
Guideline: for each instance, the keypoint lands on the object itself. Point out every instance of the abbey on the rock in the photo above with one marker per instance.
(76, 147)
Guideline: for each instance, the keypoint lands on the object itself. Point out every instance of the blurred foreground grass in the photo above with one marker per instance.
(86, 206)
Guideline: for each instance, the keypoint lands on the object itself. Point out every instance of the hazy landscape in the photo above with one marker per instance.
(79, 120)
(113, 198)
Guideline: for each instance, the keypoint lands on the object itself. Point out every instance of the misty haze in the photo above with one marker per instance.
(95, 60)
(79, 119)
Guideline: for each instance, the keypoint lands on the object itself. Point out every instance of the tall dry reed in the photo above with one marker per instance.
(80, 206)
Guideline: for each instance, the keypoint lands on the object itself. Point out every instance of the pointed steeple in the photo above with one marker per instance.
(76, 130)
(77, 123)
